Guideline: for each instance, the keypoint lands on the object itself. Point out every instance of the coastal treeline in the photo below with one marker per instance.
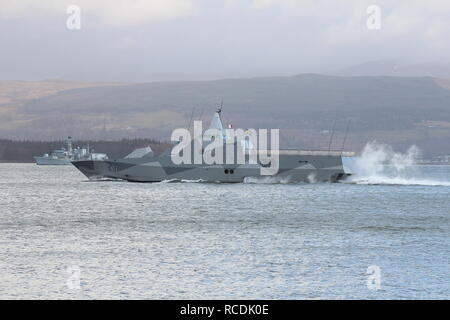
(24, 151)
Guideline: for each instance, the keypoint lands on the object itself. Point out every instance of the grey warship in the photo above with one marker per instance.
(142, 165)
(64, 156)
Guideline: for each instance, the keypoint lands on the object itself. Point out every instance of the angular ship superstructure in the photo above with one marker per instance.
(143, 166)
(64, 156)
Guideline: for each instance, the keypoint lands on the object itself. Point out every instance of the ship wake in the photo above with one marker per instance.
(379, 164)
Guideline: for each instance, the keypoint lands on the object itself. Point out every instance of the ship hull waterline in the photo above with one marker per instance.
(291, 169)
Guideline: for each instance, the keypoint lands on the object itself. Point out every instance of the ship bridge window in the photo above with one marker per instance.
(302, 161)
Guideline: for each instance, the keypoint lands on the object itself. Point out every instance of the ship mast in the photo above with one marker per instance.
(69, 144)
(219, 108)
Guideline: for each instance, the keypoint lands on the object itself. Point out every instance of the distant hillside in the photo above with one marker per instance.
(396, 69)
(398, 110)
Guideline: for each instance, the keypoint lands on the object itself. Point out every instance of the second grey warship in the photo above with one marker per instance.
(143, 166)
(64, 156)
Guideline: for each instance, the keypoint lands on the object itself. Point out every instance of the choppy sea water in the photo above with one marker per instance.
(232, 241)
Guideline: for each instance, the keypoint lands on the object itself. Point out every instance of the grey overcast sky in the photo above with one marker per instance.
(144, 40)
